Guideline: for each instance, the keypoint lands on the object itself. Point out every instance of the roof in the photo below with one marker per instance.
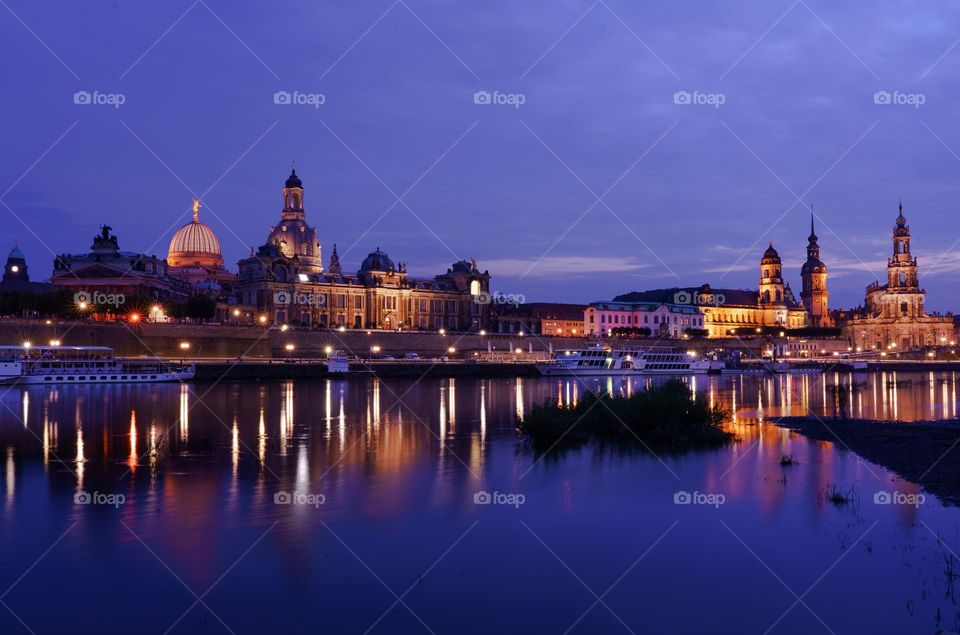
(548, 310)
(687, 295)
(646, 306)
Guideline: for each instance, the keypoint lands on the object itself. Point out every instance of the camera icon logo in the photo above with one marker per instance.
(682, 297)
(82, 498)
(482, 498)
(82, 98)
(282, 498)
(882, 498)
(482, 97)
(682, 97)
(282, 297)
(81, 297)
(682, 498)
(882, 97)
(282, 97)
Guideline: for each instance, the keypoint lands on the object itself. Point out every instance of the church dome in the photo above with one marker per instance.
(771, 255)
(813, 266)
(377, 261)
(195, 245)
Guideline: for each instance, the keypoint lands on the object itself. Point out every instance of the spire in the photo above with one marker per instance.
(334, 267)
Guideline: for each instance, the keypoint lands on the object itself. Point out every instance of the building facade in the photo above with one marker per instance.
(105, 275)
(893, 315)
(285, 280)
(603, 319)
(539, 318)
(734, 312)
(16, 276)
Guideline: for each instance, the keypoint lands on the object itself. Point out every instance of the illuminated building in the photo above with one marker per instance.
(194, 256)
(893, 316)
(284, 278)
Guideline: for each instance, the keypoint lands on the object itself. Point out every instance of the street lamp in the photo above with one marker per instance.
(263, 319)
(54, 342)
(184, 346)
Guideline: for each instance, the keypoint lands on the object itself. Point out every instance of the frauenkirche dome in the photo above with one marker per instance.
(195, 245)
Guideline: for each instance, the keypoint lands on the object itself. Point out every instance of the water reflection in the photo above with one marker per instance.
(409, 455)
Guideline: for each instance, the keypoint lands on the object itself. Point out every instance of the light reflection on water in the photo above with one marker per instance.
(399, 462)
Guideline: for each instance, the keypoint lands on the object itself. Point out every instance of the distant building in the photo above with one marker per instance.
(662, 318)
(16, 276)
(538, 318)
(893, 316)
(106, 273)
(194, 256)
(285, 279)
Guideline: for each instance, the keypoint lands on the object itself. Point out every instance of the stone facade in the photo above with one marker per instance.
(893, 315)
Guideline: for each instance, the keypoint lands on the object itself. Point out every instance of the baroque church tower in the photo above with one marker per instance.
(814, 294)
(773, 297)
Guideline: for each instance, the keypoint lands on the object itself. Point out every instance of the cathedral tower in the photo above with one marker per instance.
(814, 294)
(772, 296)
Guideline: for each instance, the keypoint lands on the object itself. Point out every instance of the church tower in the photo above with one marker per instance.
(772, 297)
(902, 280)
(293, 197)
(814, 294)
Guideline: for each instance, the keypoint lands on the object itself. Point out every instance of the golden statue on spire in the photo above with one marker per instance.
(196, 211)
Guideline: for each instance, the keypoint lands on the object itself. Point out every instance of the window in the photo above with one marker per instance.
(358, 301)
(474, 287)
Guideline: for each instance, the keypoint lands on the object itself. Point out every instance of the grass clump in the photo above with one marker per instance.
(665, 417)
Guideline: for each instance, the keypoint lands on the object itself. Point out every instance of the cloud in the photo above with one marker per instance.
(561, 265)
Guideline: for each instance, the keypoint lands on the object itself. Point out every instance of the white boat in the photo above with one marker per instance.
(627, 361)
(83, 365)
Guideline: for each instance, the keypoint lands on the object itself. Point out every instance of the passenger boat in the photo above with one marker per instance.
(83, 365)
(627, 361)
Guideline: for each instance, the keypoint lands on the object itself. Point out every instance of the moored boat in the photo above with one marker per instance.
(84, 365)
(599, 361)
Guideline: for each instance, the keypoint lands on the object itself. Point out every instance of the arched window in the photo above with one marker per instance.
(474, 287)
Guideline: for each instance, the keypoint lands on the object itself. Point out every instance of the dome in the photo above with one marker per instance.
(195, 244)
(295, 238)
(293, 180)
(16, 253)
(377, 261)
(771, 255)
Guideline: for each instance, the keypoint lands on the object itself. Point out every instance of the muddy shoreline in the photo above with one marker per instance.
(922, 452)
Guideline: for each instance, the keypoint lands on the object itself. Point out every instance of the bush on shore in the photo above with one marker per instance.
(665, 417)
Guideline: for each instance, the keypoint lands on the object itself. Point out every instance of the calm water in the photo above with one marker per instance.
(185, 534)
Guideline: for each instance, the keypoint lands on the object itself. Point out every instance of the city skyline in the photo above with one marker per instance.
(421, 135)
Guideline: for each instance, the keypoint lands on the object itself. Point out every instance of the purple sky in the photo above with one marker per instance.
(695, 191)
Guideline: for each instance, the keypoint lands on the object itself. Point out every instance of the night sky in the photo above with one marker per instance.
(598, 183)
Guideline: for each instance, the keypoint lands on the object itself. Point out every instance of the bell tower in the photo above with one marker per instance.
(814, 294)
(293, 197)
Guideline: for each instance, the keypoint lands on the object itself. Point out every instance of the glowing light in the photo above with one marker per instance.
(521, 333)
(54, 342)
(327, 349)
(184, 346)
(27, 344)
(374, 349)
(443, 331)
(303, 277)
(482, 332)
(236, 313)
(342, 329)
(155, 308)
(14, 268)
(289, 347)
(518, 351)
(285, 327)
(134, 317)
(451, 350)
(82, 306)
(263, 319)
